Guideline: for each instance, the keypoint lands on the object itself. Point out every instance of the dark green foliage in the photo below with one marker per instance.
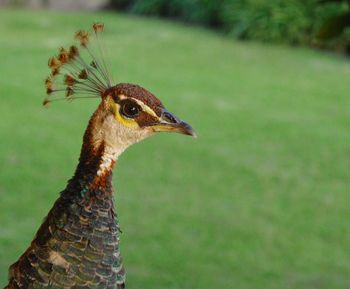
(335, 27)
(276, 21)
(293, 22)
(206, 12)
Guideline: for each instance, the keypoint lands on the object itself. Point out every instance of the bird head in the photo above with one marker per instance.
(139, 110)
(128, 114)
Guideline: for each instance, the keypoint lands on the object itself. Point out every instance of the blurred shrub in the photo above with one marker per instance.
(335, 30)
(293, 21)
(275, 20)
(205, 12)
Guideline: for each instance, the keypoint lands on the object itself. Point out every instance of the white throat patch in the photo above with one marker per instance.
(116, 137)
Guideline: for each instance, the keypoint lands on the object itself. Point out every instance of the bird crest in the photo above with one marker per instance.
(79, 71)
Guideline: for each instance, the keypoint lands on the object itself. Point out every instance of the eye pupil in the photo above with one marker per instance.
(130, 110)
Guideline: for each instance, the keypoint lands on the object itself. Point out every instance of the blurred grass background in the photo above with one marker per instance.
(259, 200)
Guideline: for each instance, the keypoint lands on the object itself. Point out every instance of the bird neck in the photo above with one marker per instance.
(93, 173)
(97, 158)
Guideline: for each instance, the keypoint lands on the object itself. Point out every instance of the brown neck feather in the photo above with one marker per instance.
(88, 176)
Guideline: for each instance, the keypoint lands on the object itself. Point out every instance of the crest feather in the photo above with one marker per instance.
(79, 70)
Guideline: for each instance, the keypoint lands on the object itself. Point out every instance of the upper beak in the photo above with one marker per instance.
(171, 123)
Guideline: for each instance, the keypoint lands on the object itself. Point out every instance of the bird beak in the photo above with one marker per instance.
(170, 123)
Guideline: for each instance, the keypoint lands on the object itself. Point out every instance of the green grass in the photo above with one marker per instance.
(259, 200)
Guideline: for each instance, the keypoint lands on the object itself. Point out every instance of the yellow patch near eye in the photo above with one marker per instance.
(125, 121)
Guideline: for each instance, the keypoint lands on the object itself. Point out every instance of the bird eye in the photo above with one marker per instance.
(130, 109)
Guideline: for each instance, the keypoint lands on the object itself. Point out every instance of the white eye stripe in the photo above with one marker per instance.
(145, 107)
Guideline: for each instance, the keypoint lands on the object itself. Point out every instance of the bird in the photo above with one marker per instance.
(78, 244)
